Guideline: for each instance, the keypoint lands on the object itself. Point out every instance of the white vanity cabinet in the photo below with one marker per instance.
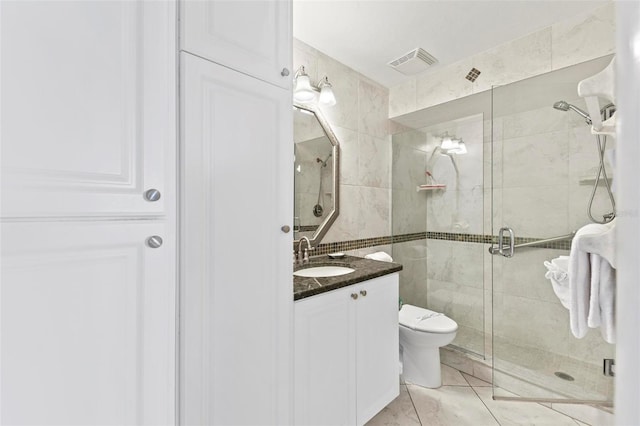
(253, 37)
(346, 353)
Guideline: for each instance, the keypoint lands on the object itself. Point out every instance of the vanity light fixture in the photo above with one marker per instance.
(304, 91)
(451, 145)
(460, 149)
(448, 143)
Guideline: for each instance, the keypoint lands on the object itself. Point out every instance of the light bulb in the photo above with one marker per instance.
(326, 95)
(448, 143)
(303, 91)
(460, 149)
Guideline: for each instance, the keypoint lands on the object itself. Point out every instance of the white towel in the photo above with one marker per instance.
(380, 255)
(602, 298)
(558, 274)
(592, 280)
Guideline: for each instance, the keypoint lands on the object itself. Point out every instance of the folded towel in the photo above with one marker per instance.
(559, 276)
(602, 298)
(592, 279)
(380, 255)
(599, 239)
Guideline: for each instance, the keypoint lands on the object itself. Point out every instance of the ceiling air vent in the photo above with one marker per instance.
(414, 62)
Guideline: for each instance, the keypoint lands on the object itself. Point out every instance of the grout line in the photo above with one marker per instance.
(414, 404)
(465, 378)
(485, 405)
(577, 421)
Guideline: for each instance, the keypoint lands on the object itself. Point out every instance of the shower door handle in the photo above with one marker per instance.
(512, 242)
(510, 248)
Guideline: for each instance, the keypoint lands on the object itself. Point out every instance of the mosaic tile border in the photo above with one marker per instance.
(493, 239)
(342, 246)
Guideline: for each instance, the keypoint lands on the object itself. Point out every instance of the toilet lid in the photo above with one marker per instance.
(422, 319)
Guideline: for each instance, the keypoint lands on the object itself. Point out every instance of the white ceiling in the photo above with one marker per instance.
(365, 35)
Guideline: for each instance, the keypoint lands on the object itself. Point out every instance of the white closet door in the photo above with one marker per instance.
(87, 324)
(253, 37)
(236, 280)
(88, 107)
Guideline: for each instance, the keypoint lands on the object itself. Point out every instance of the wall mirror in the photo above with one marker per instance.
(316, 174)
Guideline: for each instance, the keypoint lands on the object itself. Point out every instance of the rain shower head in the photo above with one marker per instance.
(566, 106)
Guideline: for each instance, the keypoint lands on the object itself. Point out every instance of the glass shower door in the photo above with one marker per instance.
(543, 166)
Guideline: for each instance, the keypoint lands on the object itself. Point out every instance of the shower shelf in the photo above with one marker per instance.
(432, 187)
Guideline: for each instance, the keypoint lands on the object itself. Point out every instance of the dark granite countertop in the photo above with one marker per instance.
(365, 269)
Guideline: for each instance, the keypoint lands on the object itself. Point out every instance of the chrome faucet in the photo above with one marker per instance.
(304, 259)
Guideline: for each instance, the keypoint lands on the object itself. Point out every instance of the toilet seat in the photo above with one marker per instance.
(421, 319)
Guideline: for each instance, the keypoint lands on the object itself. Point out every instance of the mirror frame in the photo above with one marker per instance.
(335, 211)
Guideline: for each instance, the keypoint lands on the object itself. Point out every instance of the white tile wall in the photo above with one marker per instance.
(360, 121)
(443, 85)
(575, 40)
(513, 61)
(583, 37)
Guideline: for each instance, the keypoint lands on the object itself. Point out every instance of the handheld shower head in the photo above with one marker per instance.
(565, 106)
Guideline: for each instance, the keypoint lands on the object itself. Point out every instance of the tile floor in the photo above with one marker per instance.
(463, 400)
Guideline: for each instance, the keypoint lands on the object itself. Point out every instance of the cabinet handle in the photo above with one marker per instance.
(284, 72)
(363, 292)
(152, 195)
(354, 296)
(154, 241)
(285, 229)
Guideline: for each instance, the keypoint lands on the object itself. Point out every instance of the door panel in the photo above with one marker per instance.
(87, 324)
(377, 348)
(325, 359)
(88, 107)
(237, 272)
(252, 37)
(543, 166)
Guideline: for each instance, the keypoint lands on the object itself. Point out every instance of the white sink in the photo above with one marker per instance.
(323, 271)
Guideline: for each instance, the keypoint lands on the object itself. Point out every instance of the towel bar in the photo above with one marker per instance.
(495, 250)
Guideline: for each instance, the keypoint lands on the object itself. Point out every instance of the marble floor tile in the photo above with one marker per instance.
(521, 413)
(475, 382)
(466, 400)
(400, 412)
(586, 413)
(450, 405)
(452, 377)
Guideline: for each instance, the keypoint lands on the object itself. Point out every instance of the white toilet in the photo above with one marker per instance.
(422, 333)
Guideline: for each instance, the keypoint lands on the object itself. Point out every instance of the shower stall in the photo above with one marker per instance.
(530, 166)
